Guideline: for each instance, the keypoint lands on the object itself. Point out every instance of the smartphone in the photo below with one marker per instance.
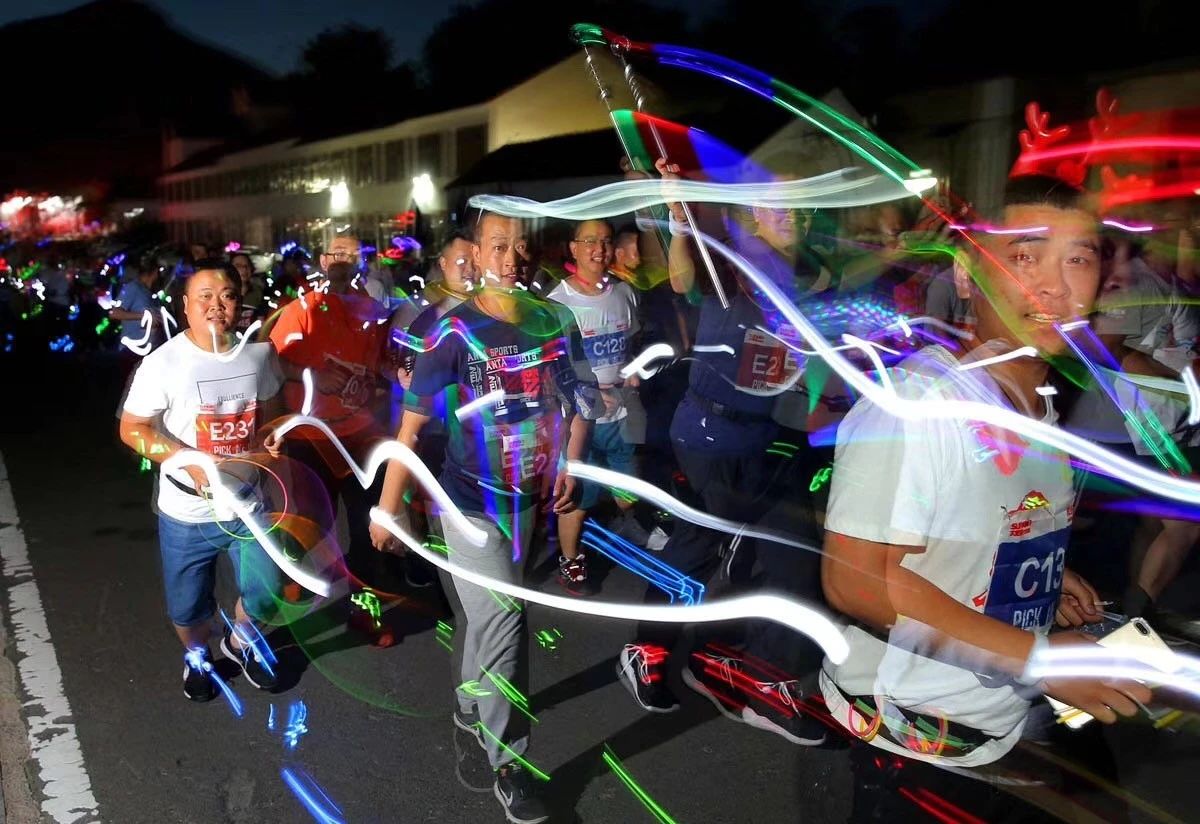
(1137, 639)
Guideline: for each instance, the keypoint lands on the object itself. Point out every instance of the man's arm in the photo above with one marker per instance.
(866, 581)
(144, 437)
(395, 482)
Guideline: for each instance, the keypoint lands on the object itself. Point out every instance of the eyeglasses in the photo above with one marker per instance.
(593, 242)
(342, 256)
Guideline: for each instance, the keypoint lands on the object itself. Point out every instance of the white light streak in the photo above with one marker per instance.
(1023, 352)
(657, 351)
(789, 612)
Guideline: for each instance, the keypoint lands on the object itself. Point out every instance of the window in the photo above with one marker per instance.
(429, 155)
(393, 161)
(470, 146)
(364, 166)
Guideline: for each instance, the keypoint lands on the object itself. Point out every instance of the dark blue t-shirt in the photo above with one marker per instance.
(499, 451)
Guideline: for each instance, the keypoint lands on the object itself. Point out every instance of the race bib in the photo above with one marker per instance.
(606, 349)
(225, 433)
(521, 450)
(1027, 578)
(766, 363)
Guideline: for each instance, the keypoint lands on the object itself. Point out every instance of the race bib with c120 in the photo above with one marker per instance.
(606, 349)
(1027, 580)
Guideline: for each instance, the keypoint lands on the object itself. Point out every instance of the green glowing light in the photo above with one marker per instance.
(369, 602)
(820, 478)
(145, 465)
(641, 795)
(526, 764)
(548, 638)
(473, 689)
(511, 693)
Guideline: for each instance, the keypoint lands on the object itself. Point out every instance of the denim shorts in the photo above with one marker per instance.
(608, 449)
(189, 557)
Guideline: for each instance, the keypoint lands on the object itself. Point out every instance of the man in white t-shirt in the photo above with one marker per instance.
(605, 309)
(946, 538)
(200, 391)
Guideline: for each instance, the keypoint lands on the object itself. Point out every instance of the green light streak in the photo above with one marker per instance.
(821, 478)
(511, 693)
(661, 815)
(524, 763)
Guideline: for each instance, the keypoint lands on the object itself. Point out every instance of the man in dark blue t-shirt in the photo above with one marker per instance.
(514, 409)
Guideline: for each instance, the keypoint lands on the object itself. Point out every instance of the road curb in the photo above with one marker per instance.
(17, 805)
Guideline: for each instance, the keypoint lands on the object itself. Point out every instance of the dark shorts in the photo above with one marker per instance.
(189, 556)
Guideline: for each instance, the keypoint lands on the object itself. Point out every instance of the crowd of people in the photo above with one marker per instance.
(939, 541)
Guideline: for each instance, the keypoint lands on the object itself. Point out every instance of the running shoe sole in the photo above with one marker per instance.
(763, 723)
(698, 686)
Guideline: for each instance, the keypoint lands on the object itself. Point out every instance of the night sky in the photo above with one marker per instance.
(273, 37)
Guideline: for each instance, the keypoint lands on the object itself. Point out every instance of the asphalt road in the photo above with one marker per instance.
(379, 739)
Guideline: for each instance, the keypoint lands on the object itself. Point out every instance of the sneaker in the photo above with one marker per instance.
(471, 763)
(255, 658)
(779, 709)
(657, 540)
(197, 685)
(468, 722)
(719, 678)
(517, 793)
(572, 574)
(640, 671)
(774, 706)
(626, 525)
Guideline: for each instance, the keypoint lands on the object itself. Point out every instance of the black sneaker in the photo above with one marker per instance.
(573, 575)
(517, 792)
(469, 723)
(197, 684)
(721, 679)
(780, 708)
(640, 671)
(471, 762)
(255, 659)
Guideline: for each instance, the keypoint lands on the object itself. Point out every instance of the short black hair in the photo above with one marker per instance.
(452, 234)
(217, 265)
(1043, 190)
(627, 230)
(482, 215)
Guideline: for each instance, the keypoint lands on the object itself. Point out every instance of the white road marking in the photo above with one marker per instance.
(53, 745)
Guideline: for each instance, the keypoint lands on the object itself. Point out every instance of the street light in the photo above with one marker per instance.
(339, 197)
(422, 191)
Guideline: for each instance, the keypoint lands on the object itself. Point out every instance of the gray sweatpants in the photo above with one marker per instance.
(493, 640)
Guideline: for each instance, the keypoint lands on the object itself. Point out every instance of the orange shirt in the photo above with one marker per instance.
(345, 334)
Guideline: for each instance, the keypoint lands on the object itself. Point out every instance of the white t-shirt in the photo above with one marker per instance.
(606, 322)
(993, 513)
(207, 403)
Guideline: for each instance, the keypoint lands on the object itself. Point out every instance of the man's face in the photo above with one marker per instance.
(199, 251)
(592, 249)
(210, 302)
(455, 263)
(626, 255)
(1047, 274)
(502, 254)
(340, 262)
(782, 229)
(242, 264)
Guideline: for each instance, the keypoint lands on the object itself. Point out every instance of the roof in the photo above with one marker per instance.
(584, 154)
